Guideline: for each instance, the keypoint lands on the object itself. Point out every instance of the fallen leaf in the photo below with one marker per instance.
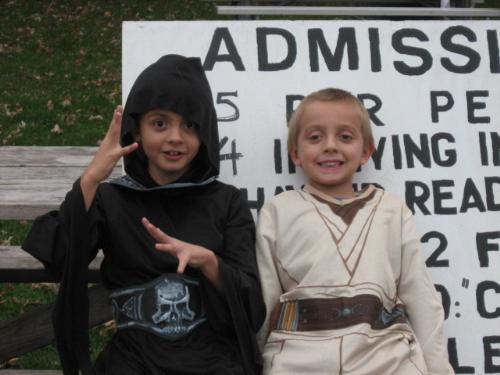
(56, 129)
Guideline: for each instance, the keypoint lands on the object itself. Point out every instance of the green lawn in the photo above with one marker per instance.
(60, 64)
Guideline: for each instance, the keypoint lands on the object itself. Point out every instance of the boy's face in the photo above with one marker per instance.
(169, 143)
(330, 146)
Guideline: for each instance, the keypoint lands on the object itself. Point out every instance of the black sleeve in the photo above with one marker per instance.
(66, 241)
(49, 237)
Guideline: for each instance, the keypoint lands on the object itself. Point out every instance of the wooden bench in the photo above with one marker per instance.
(34, 180)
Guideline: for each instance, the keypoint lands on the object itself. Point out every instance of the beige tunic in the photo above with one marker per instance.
(310, 245)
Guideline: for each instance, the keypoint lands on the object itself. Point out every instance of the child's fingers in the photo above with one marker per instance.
(182, 265)
(129, 149)
(166, 247)
(155, 232)
(115, 126)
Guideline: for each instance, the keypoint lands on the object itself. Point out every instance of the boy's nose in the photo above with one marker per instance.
(330, 144)
(173, 134)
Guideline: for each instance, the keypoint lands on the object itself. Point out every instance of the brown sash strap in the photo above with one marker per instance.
(317, 314)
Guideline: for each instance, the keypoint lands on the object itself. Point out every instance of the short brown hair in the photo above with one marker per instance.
(329, 95)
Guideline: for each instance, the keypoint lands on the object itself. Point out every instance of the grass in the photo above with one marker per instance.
(61, 74)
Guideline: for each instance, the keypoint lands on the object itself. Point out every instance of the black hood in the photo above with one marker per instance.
(178, 84)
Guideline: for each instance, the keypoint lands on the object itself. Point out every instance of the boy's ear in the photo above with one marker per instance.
(294, 155)
(136, 135)
(367, 152)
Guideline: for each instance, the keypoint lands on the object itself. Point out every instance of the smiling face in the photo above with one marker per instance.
(169, 143)
(330, 146)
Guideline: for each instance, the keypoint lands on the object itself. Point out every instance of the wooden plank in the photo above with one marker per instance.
(16, 265)
(30, 372)
(34, 180)
(256, 10)
(34, 329)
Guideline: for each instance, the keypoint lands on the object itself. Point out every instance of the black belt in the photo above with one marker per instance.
(332, 313)
(170, 306)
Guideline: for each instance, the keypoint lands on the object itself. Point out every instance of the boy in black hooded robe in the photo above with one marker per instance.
(171, 318)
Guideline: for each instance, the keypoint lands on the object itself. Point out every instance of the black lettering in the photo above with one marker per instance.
(278, 164)
(413, 199)
(346, 40)
(483, 149)
(481, 289)
(451, 154)
(254, 204)
(290, 104)
(291, 165)
(396, 152)
(222, 34)
(490, 353)
(495, 147)
(400, 47)
(445, 299)
(473, 105)
(280, 189)
(440, 196)
(436, 107)
(263, 56)
(483, 246)
(453, 357)
(471, 197)
(378, 152)
(494, 51)
(372, 109)
(376, 61)
(490, 194)
(473, 57)
(433, 260)
(220, 100)
(422, 153)
(234, 156)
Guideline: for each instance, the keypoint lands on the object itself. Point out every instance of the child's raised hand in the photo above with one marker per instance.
(187, 253)
(109, 152)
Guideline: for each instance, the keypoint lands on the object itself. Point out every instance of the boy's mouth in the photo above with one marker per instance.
(330, 163)
(173, 155)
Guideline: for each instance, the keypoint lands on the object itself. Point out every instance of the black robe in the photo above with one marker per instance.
(196, 209)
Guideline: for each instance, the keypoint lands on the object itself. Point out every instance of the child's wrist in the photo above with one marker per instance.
(88, 180)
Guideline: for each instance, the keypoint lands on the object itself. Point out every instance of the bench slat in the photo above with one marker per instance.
(35, 179)
(16, 265)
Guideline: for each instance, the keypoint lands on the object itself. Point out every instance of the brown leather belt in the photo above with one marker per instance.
(317, 314)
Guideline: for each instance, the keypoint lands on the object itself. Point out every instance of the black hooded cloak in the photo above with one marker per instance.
(196, 208)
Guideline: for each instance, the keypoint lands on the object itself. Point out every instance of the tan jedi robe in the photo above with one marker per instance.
(310, 245)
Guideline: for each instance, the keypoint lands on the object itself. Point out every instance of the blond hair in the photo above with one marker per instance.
(329, 95)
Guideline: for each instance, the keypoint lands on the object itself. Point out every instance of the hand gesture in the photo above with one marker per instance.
(188, 254)
(105, 159)
(110, 151)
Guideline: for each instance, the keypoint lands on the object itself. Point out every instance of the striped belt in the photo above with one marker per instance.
(317, 314)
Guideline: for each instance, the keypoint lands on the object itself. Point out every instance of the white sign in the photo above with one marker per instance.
(433, 91)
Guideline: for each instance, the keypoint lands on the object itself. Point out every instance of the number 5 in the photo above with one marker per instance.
(220, 100)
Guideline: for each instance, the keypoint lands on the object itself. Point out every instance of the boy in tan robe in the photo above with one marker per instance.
(344, 282)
